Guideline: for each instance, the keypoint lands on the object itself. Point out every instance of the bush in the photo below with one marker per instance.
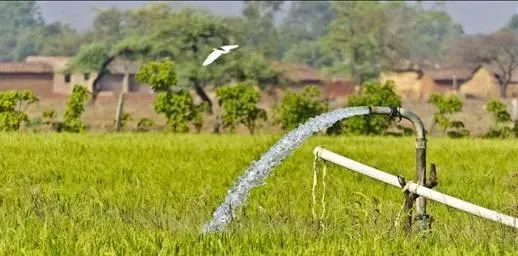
(75, 108)
(49, 118)
(197, 121)
(502, 126)
(447, 105)
(13, 105)
(176, 104)
(372, 93)
(125, 118)
(297, 108)
(145, 124)
(239, 106)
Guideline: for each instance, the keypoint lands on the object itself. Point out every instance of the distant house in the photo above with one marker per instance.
(512, 88)
(110, 84)
(410, 84)
(449, 79)
(481, 85)
(37, 77)
(298, 75)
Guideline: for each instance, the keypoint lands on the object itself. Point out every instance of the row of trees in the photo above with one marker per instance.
(356, 39)
(239, 106)
(350, 38)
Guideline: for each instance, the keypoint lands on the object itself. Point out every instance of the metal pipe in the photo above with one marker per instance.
(420, 170)
(416, 188)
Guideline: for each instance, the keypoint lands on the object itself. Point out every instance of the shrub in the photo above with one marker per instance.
(75, 108)
(145, 124)
(125, 118)
(502, 126)
(239, 106)
(49, 118)
(197, 121)
(175, 103)
(372, 93)
(13, 105)
(447, 105)
(297, 108)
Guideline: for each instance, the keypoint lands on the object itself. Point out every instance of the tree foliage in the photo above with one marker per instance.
(187, 36)
(13, 105)
(297, 108)
(260, 31)
(175, 103)
(239, 106)
(25, 33)
(372, 94)
(502, 126)
(447, 105)
(75, 108)
(367, 37)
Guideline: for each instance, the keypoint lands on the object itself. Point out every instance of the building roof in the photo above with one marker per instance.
(23, 67)
(462, 73)
(297, 72)
(117, 66)
(59, 63)
(496, 71)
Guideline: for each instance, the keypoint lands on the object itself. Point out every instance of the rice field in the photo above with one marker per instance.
(150, 194)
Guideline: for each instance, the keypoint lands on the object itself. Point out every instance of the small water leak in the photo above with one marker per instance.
(257, 172)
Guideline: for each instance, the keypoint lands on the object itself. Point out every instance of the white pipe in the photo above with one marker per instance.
(415, 188)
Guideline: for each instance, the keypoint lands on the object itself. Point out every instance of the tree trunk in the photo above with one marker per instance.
(514, 111)
(203, 95)
(120, 110)
(217, 125)
(503, 90)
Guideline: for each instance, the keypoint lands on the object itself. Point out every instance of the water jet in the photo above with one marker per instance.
(257, 172)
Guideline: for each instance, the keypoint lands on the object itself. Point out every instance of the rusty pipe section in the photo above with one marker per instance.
(420, 151)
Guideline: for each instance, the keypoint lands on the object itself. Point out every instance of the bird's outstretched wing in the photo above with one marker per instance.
(229, 47)
(212, 57)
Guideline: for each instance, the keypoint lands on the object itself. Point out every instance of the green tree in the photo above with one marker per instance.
(305, 23)
(13, 105)
(175, 103)
(512, 24)
(75, 108)
(372, 94)
(430, 33)
(239, 106)
(24, 33)
(17, 19)
(502, 126)
(296, 108)
(260, 31)
(447, 105)
(354, 36)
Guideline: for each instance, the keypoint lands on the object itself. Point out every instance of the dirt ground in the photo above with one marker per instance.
(100, 116)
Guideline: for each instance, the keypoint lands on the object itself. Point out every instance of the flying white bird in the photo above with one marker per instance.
(218, 52)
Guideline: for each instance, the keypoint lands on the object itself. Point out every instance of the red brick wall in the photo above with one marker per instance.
(40, 84)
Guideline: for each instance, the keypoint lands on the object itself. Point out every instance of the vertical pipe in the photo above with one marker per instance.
(420, 170)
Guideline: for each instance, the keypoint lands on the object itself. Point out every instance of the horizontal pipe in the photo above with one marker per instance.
(416, 188)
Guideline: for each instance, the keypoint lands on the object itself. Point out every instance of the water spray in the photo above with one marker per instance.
(259, 170)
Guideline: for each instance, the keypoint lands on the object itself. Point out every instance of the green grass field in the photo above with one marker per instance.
(150, 194)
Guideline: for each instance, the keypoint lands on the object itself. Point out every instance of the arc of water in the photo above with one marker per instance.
(257, 172)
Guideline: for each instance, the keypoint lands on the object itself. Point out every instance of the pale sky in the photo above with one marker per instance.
(475, 16)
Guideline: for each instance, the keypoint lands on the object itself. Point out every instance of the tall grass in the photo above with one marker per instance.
(150, 194)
